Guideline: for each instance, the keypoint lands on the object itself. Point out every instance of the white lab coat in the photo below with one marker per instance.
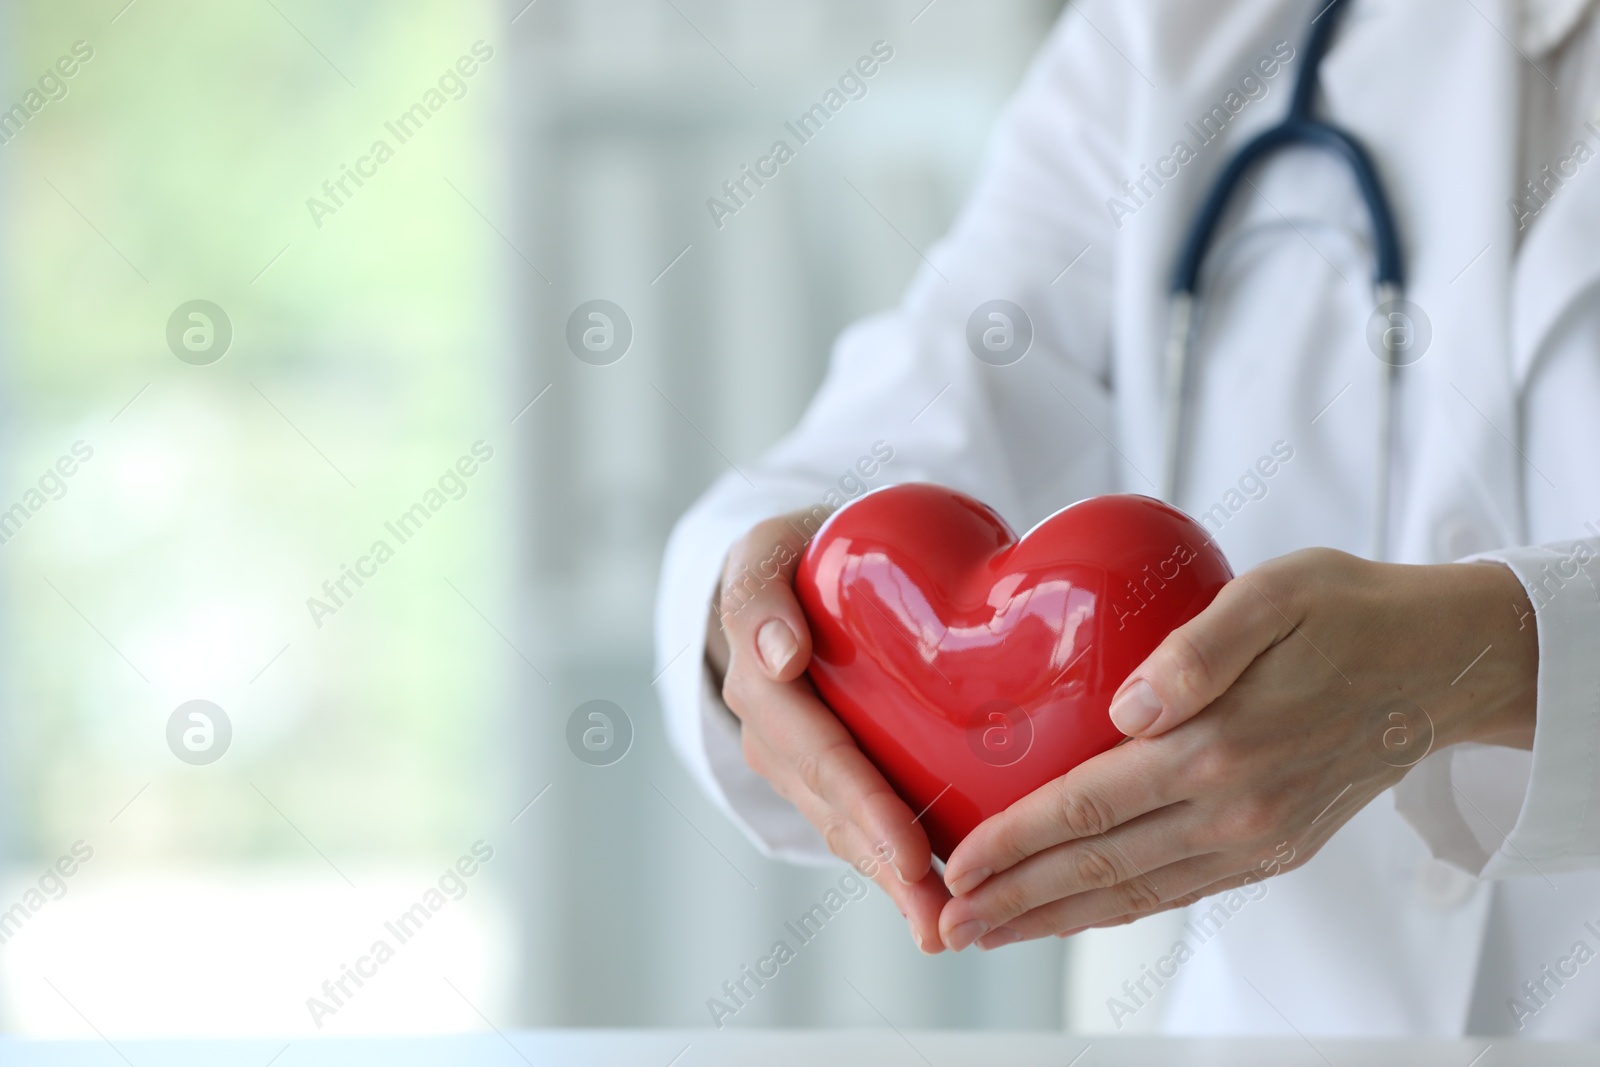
(1499, 449)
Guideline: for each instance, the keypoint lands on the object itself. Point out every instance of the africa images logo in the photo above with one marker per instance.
(852, 85)
(1253, 85)
(451, 85)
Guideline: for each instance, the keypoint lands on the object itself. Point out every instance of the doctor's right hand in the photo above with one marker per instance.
(758, 644)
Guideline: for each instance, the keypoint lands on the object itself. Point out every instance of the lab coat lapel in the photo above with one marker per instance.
(1433, 88)
(1558, 264)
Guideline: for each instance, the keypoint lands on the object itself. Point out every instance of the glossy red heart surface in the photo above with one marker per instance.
(973, 666)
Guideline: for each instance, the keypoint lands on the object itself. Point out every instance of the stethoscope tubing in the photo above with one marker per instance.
(1299, 128)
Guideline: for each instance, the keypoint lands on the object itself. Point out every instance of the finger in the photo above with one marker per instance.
(807, 739)
(844, 837)
(756, 601)
(759, 757)
(1242, 882)
(1089, 800)
(1139, 896)
(1126, 853)
(1198, 661)
(918, 902)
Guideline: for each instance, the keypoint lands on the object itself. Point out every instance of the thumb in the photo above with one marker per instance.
(757, 604)
(1196, 663)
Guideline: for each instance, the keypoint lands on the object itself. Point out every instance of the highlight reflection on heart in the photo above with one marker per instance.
(972, 666)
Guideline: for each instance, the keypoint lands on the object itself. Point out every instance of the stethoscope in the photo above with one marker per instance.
(1299, 128)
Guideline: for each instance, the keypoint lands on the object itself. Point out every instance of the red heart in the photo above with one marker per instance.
(972, 666)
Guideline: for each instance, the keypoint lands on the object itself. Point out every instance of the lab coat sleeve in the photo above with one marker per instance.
(1498, 812)
(1027, 438)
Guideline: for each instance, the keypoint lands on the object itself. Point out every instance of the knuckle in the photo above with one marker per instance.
(808, 770)
(811, 764)
(1008, 900)
(1297, 858)
(1093, 869)
(1264, 596)
(836, 834)
(1320, 559)
(1185, 900)
(1082, 813)
(1272, 579)
(1284, 582)
(1139, 896)
(1008, 847)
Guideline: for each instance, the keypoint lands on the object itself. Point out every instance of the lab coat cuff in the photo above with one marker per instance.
(1498, 812)
(701, 729)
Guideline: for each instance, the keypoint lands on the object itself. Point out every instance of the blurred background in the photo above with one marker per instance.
(286, 281)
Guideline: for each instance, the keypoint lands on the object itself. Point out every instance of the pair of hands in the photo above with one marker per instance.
(1323, 679)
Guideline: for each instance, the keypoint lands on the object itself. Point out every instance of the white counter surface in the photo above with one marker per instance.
(778, 1048)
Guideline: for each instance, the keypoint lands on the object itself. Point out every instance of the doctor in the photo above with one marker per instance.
(1373, 786)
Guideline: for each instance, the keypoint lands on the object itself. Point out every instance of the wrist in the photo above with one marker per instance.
(1494, 698)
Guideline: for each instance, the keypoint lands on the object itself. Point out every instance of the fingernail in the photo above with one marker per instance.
(1136, 708)
(1003, 936)
(1074, 930)
(965, 934)
(902, 875)
(776, 644)
(969, 881)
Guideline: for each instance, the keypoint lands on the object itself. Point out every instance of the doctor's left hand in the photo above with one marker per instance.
(1308, 687)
